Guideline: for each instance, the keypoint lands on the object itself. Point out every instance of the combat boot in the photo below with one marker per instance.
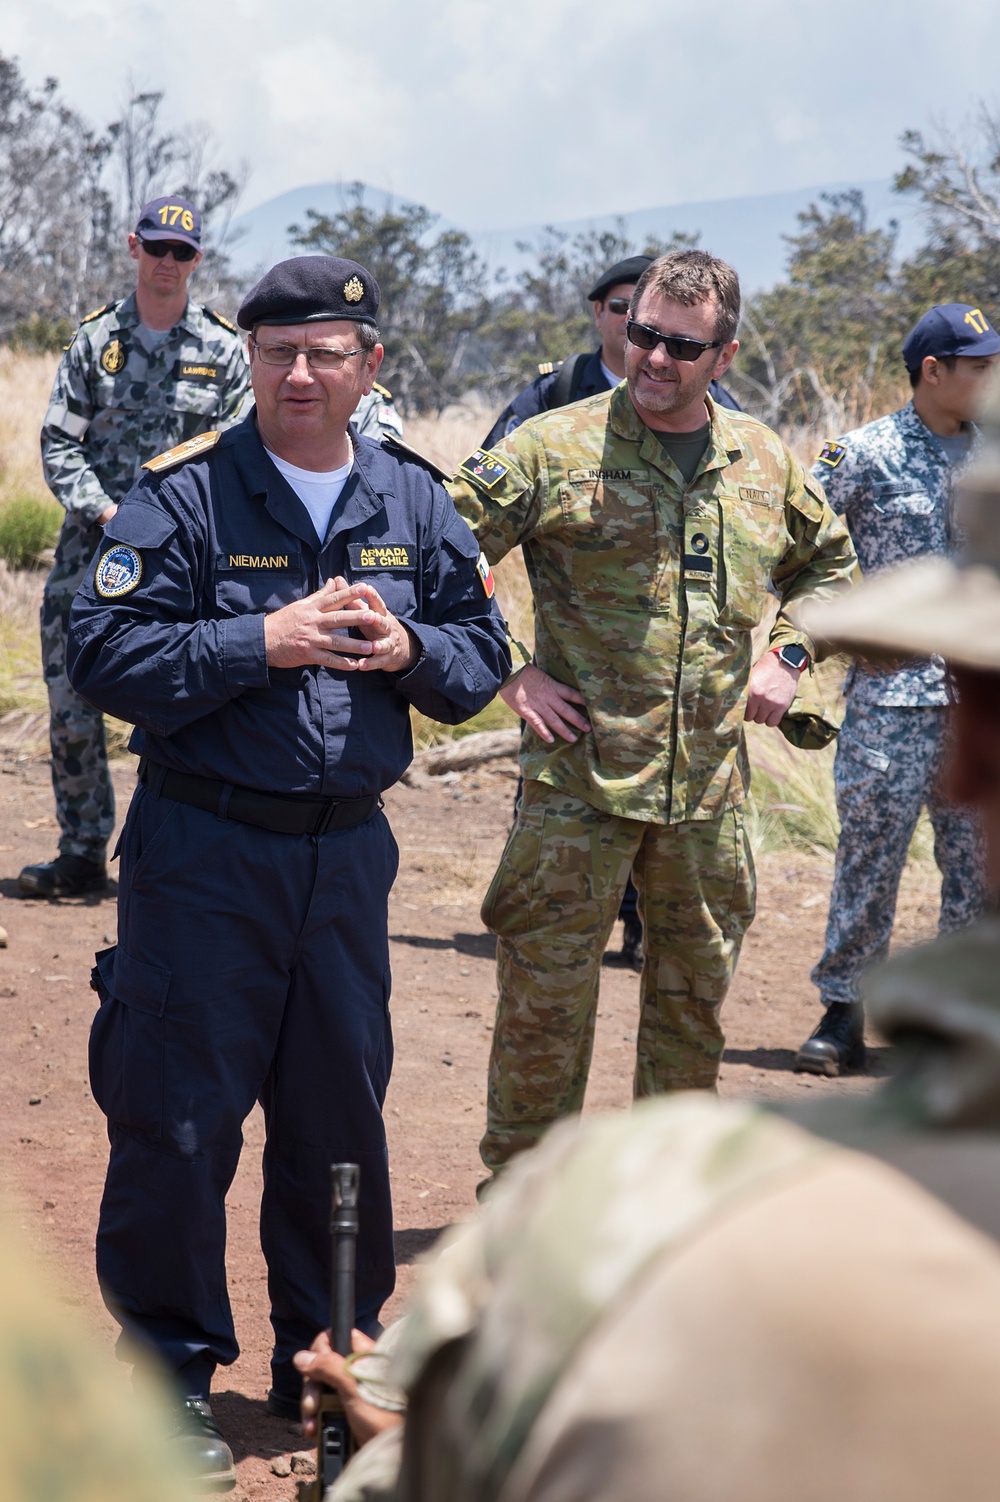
(66, 876)
(632, 944)
(205, 1457)
(838, 1044)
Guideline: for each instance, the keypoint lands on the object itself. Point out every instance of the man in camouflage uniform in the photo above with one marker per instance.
(652, 523)
(376, 416)
(892, 482)
(139, 377)
(637, 1276)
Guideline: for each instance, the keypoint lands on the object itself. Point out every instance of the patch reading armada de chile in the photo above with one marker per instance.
(118, 572)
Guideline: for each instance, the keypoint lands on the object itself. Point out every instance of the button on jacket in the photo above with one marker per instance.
(646, 591)
(222, 539)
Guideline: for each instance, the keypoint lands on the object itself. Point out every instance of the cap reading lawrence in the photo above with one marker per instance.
(311, 289)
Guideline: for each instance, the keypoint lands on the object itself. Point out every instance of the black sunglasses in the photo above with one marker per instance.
(617, 305)
(678, 348)
(161, 248)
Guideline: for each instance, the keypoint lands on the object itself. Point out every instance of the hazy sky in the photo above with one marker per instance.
(502, 112)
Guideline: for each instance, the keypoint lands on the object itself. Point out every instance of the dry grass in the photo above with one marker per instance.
(25, 383)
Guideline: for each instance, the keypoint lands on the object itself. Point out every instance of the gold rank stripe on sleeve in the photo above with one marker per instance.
(189, 450)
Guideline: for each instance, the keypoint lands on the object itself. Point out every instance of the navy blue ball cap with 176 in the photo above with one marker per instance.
(311, 289)
(952, 328)
(170, 219)
(629, 270)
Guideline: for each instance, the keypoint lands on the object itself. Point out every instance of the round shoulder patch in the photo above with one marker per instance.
(118, 572)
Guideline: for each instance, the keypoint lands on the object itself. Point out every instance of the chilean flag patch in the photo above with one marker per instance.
(485, 576)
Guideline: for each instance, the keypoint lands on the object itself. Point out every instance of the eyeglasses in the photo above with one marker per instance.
(161, 248)
(617, 305)
(677, 347)
(318, 356)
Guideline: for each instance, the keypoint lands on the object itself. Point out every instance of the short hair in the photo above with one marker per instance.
(915, 375)
(691, 277)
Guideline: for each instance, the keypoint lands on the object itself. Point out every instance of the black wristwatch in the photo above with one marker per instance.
(793, 656)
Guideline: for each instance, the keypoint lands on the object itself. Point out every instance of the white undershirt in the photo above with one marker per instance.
(609, 375)
(318, 490)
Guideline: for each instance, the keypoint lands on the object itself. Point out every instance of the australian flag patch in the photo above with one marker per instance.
(484, 467)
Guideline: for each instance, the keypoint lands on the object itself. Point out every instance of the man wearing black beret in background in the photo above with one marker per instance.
(265, 607)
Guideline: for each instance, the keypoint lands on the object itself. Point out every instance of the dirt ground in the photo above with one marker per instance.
(450, 835)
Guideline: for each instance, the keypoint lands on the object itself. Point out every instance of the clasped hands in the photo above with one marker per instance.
(314, 630)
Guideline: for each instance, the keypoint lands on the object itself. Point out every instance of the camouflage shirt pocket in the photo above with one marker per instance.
(753, 539)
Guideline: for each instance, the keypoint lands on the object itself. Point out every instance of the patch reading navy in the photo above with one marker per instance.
(118, 572)
(381, 557)
(486, 468)
(754, 496)
(831, 453)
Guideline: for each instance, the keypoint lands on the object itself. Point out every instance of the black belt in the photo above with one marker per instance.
(282, 813)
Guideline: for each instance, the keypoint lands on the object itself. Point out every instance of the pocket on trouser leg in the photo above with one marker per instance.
(506, 907)
(126, 1041)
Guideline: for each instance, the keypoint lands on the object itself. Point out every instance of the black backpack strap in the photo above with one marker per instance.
(564, 387)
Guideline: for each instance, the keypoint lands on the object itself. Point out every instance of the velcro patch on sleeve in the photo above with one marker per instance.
(485, 468)
(485, 575)
(382, 557)
(118, 572)
(831, 453)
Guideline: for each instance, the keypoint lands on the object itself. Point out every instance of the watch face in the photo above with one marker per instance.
(794, 655)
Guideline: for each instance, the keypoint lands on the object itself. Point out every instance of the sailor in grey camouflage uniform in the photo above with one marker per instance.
(375, 417)
(892, 482)
(123, 393)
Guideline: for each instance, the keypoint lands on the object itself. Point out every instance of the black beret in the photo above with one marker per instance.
(311, 289)
(629, 270)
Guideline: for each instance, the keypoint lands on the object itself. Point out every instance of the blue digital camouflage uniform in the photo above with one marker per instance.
(253, 963)
(114, 404)
(892, 482)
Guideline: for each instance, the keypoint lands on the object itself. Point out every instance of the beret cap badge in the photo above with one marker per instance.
(353, 290)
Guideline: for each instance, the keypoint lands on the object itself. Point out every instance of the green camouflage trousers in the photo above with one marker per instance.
(85, 803)
(552, 905)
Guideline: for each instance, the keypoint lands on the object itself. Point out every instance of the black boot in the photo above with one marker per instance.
(205, 1457)
(632, 944)
(66, 876)
(838, 1044)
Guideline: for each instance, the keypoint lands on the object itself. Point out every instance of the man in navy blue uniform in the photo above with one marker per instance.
(586, 374)
(265, 607)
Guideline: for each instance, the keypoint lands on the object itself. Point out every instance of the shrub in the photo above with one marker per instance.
(39, 335)
(28, 526)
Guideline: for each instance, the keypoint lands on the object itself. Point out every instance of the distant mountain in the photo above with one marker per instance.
(747, 232)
